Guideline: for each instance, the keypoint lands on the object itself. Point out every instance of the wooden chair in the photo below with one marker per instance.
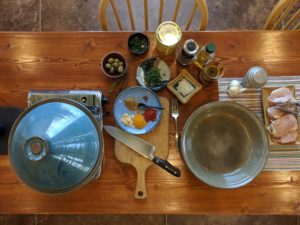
(198, 4)
(283, 16)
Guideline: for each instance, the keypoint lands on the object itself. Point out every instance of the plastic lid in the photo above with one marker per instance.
(55, 146)
(210, 48)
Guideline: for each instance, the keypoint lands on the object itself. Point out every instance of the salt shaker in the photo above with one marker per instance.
(256, 77)
(187, 53)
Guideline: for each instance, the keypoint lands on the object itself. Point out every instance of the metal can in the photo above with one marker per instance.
(168, 35)
(256, 77)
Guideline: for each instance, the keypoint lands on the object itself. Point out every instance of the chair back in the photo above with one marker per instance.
(198, 4)
(284, 16)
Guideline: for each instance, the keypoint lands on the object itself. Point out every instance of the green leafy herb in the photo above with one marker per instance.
(138, 44)
(152, 77)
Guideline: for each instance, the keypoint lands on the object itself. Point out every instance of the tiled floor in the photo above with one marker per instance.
(81, 15)
(146, 220)
(77, 15)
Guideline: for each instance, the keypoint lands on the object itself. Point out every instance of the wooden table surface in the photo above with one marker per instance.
(37, 61)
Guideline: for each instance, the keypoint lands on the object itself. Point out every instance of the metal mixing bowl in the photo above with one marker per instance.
(224, 144)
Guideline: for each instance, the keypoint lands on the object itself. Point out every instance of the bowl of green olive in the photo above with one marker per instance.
(114, 65)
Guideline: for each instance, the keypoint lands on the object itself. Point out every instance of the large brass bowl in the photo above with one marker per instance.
(224, 144)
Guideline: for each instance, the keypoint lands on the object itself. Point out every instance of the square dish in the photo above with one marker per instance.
(266, 91)
(184, 86)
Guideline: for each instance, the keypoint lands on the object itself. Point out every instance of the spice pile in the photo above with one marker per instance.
(139, 118)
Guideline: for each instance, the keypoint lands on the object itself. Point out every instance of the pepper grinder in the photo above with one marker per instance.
(188, 52)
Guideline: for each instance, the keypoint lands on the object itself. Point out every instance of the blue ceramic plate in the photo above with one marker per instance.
(142, 95)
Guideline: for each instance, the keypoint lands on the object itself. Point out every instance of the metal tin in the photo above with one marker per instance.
(168, 35)
(256, 77)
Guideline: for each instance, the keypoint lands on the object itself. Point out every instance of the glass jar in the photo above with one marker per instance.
(206, 55)
(187, 53)
(168, 35)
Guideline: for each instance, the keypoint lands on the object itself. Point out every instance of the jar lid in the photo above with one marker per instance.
(191, 47)
(210, 48)
(56, 146)
(169, 33)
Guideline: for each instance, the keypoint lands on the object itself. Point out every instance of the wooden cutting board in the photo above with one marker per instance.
(159, 137)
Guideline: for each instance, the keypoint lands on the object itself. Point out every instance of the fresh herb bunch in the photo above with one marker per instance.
(152, 77)
(138, 44)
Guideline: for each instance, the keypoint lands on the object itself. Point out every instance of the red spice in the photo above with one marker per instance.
(150, 115)
(145, 98)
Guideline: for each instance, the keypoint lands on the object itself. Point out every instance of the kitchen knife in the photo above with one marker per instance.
(287, 110)
(141, 147)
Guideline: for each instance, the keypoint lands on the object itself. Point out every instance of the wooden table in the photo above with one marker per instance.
(35, 61)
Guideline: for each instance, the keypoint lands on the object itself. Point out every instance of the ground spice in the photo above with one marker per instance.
(145, 98)
(131, 103)
(139, 121)
(150, 115)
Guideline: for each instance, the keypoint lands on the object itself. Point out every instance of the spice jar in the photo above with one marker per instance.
(187, 53)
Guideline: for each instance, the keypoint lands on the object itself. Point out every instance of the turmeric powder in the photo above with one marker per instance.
(139, 121)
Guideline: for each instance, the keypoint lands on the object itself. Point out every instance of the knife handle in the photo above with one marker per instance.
(167, 166)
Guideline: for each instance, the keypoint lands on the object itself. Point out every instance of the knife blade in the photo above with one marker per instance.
(141, 147)
(287, 110)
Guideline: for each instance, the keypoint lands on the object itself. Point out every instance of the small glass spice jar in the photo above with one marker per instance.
(187, 53)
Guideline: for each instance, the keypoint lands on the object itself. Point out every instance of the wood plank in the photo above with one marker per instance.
(159, 136)
(71, 61)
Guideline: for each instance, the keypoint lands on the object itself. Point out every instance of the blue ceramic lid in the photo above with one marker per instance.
(56, 146)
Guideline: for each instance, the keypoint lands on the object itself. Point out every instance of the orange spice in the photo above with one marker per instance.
(139, 121)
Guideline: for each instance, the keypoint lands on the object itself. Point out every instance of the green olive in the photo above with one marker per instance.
(120, 69)
(112, 70)
(115, 65)
(110, 60)
(116, 60)
(121, 63)
(108, 66)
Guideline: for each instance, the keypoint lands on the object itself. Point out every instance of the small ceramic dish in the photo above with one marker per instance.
(138, 43)
(184, 86)
(141, 95)
(114, 60)
(153, 64)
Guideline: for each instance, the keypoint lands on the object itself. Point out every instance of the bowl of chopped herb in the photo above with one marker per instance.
(114, 65)
(138, 43)
(153, 73)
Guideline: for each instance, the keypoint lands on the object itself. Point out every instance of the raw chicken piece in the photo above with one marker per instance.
(289, 137)
(283, 125)
(281, 95)
(274, 113)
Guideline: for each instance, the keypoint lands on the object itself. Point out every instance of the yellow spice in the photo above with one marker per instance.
(139, 121)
